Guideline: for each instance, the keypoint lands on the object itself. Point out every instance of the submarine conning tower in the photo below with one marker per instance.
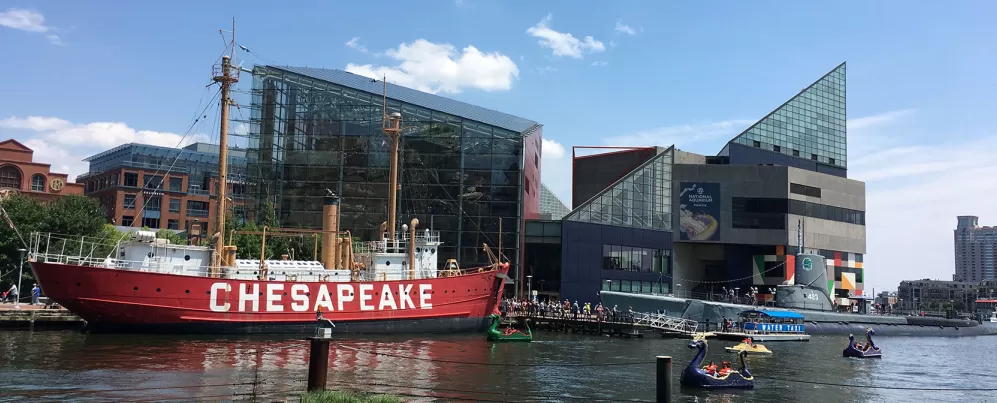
(809, 290)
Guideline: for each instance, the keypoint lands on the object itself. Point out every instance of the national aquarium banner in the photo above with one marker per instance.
(699, 211)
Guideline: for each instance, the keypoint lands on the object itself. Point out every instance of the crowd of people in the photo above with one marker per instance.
(565, 309)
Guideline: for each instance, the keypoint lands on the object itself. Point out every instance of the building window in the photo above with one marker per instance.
(129, 202)
(796, 153)
(173, 224)
(153, 203)
(151, 223)
(756, 143)
(804, 190)
(197, 208)
(127, 220)
(131, 179)
(631, 258)
(813, 157)
(830, 161)
(153, 181)
(10, 177)
(770, 213)
(38, 183)
(174, 205)
(777, 149)
(176, 184)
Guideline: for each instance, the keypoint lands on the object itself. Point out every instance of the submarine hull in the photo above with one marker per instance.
(817, 322)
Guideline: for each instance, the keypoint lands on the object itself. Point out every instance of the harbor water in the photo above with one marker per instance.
(71, 366)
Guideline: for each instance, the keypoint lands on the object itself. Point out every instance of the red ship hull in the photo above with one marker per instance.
(125, 300)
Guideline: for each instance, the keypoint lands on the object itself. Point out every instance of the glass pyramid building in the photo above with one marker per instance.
(640, 199)
(810, 126)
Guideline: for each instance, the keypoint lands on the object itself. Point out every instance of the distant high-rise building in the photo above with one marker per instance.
(974, 250)
(551, 207)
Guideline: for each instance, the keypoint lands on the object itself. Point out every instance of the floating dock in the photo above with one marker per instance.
(34, 317)
(638, 325)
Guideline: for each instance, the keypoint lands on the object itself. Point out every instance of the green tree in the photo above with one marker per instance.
(27, 215)
(70, 217)
(171, 236)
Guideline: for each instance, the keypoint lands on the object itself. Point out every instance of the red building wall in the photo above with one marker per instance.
(531, 173)
(18, 165)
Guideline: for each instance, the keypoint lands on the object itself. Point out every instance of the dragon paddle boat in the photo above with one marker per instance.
(508, 334)
(748, 346)
(712, 377)
(859, 350)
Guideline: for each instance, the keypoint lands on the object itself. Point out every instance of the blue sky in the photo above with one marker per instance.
(85, 76)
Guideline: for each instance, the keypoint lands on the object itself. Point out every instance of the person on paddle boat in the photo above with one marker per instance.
(711, 368)
(747, 341)
(725, 369)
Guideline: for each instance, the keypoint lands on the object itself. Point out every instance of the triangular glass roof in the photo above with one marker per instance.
(641, 198)
(811, 125)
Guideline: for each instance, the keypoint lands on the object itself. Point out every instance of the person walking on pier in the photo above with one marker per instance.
(35, 293)
(12, 293)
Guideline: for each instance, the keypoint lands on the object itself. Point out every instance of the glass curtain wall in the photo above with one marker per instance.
(457, 176)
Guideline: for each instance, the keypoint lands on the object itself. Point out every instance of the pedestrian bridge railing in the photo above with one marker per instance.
(665, 322)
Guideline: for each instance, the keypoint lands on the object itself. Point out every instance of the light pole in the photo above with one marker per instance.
(529, 286)
(20, 268)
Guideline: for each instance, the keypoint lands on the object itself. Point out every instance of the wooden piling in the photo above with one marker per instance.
(318, 363)
(663, 376)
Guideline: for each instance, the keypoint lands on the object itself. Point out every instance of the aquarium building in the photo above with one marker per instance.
(463, 169)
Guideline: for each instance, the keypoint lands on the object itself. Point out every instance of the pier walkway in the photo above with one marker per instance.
(619, 324)
(31, 317)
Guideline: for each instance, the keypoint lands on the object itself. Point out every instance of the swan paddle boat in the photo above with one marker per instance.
(748, 346)
(859, 350)
(508, 334)
(710, 376)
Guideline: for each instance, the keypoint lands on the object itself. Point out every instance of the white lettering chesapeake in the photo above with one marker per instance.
(324, 300)
(425, 293)
(213, 304)
(387, 299)
(344, 294)
(245, 296)
(365, 295)
(403, 291)
(273, 288)
(300, 303)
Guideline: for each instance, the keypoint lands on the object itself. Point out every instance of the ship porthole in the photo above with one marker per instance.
(432, 251)
(158, 290)
(77, 284)
(186, 292)
(134, 288)
(186, 257)
(418, 249)
(151, 254)
(387, 263)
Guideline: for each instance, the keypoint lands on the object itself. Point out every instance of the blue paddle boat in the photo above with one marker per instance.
(859, 350)
(710, 376)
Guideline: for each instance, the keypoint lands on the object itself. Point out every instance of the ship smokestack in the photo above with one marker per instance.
(411, 248)
(330, 230)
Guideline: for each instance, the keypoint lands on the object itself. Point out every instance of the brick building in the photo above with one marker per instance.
(19, 173)
(164, 188)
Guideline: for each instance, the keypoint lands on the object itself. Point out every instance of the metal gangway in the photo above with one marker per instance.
(666, 323)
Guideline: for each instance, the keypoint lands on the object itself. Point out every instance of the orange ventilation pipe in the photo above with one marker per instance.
(411, 248)
(330, 230)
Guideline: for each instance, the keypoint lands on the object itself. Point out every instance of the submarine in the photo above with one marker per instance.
(809, 297)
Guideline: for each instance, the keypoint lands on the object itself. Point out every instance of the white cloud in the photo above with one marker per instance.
(600, 63)
(555, 171)
(24, 20)
(546, 69)
(65, 144)
(354, 43)
(681, 135)
(624, 28)
(879, 119)
(563, 43)
(439, 67)
(29, 21)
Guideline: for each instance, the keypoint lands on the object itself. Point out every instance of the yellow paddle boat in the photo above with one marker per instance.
(749, 347)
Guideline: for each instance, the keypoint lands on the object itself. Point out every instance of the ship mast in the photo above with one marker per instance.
(223, 75)
(392, 127)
